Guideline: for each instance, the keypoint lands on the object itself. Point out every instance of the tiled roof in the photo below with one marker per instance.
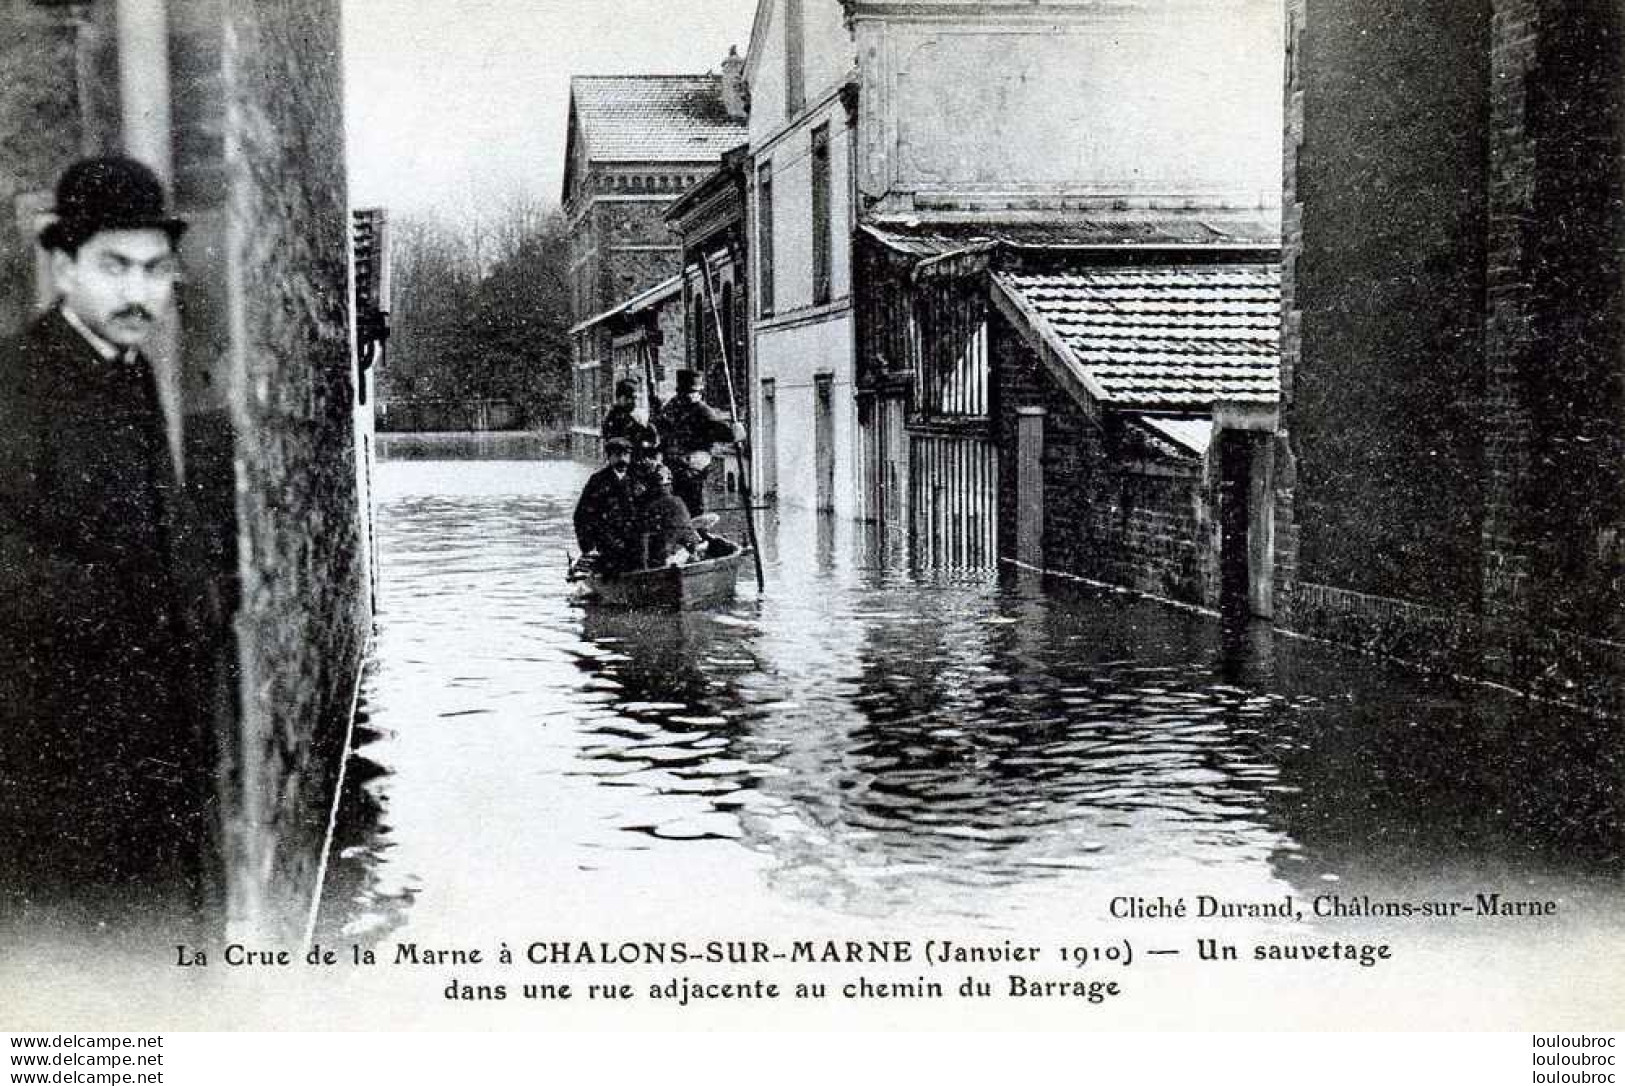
(654, 118)
(1162, 336)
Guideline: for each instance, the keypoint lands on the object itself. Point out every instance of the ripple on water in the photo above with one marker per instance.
(867, 735)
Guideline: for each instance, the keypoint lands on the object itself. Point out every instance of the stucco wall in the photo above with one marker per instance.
(1149, 100)
(791, 356)
(791, 159)
(828, 57)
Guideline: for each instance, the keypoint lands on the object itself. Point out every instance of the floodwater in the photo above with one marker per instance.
(867, 749)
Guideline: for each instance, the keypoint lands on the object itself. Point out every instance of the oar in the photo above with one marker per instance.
(733, 408)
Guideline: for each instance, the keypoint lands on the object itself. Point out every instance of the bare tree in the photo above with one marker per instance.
(481, 311)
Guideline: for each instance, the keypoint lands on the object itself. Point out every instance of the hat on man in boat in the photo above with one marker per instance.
(112, 192)
(617, 444)
(687, 381)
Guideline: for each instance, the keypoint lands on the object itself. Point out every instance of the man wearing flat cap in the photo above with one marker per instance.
(607, 513)
(96, 748)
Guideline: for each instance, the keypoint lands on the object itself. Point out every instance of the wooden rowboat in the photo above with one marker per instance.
(672, 588)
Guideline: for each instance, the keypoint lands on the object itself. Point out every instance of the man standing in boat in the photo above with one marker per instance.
(608, 514)
(622, 421)
(690, 427)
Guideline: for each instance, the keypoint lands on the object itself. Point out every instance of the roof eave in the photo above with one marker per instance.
(1053, 351)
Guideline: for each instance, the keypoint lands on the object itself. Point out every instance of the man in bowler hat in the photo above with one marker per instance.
(100, 785)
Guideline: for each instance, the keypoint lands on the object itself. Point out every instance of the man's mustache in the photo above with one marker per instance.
(140, 312)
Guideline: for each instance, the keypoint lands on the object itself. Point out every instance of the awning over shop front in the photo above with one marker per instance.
(662, 291)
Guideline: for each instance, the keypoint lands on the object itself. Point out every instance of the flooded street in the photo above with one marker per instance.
(866, 749)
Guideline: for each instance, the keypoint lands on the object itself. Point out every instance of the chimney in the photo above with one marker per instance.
(735, 93)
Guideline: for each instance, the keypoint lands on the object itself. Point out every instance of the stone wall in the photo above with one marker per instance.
(1116, 509)
(627, 260)
(305, 617)
(618, 247)
(278, 575)
(1453, 471)
(272, 427)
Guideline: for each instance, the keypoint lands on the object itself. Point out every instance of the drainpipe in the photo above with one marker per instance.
(143, 52)
(144, 104)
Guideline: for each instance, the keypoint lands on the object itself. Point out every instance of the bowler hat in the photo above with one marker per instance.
(687, 380)
(108, 193)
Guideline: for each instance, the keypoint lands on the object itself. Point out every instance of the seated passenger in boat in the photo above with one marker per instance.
(608, 514)
(670, 535)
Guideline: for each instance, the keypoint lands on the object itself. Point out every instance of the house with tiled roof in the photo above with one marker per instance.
(634, 144)
(1084, 394)
(964, 207)
(1139, 393)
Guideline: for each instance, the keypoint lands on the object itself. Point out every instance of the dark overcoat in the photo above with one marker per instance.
(621, 422)
(607, 519)
(666, 526)
(96, 742)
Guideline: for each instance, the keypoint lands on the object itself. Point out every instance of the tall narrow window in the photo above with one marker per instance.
(700, 338)
(795, 71)
(820, 214)
(764, 237)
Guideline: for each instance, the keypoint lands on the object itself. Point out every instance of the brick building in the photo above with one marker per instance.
(634, 144)
(258, 379)
(1452, 483)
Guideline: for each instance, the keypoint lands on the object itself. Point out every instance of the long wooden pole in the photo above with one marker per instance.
(648, 377)
(733, 408)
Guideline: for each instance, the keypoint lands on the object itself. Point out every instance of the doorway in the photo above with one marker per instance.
(1246, 522)
(768, 454)
(824, 443)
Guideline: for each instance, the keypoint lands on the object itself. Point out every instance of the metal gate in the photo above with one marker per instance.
(953, 490)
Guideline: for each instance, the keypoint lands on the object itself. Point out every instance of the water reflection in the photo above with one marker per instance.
(866, 739)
